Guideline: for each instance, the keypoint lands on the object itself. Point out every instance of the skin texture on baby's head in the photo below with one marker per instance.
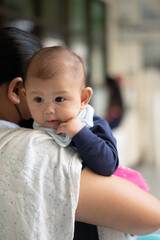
(53, 63)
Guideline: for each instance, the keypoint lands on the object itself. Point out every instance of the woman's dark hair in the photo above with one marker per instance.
(16, 48)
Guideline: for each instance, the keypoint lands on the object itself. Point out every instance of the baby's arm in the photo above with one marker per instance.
(97, 147)
(71, 127)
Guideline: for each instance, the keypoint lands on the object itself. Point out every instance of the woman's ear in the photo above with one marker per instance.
(24, 92)
(14, 88)
(86, 96)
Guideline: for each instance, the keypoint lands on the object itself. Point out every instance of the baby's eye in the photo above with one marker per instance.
(59, 99)
(38, 99)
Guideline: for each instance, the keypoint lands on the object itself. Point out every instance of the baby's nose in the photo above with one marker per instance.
(49, 110)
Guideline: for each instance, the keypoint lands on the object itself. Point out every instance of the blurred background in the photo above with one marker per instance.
(119, 42)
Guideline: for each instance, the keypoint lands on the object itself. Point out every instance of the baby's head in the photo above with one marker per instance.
(54, 62)
(55, 85)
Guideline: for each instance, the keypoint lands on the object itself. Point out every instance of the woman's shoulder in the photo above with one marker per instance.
(35, 142)
(23, 136)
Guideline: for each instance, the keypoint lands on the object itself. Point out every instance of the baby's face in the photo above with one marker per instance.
(54, 100)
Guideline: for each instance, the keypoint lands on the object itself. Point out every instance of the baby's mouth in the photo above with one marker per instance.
(53, 121)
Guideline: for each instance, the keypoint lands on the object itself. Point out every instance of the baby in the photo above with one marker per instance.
(56, 92)
(55, 88)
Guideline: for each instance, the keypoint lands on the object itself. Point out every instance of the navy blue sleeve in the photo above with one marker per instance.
(97, 147)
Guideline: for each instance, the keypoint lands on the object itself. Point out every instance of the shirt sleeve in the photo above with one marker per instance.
(97, 147)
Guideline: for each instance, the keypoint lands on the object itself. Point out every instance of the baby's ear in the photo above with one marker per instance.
(85, 97)
(14, 89)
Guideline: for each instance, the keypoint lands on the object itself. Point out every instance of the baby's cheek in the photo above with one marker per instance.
(36, 116)
(67, 115)
(74, 112)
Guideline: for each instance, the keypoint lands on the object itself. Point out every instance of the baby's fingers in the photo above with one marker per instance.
(61, 128)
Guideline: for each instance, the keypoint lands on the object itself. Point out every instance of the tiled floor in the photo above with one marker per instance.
(152, 176)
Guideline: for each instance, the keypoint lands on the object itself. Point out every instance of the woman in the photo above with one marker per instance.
(106, 201)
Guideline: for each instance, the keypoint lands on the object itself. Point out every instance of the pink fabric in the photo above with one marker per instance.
(132, 176)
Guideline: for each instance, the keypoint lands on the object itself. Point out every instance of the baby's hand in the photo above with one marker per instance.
(71, 127)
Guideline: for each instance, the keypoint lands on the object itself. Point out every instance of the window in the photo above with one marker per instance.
(79, 24)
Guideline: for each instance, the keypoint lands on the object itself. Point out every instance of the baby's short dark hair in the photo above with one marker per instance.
(50, 61)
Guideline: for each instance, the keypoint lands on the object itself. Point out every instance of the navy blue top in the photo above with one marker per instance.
(97, 147)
